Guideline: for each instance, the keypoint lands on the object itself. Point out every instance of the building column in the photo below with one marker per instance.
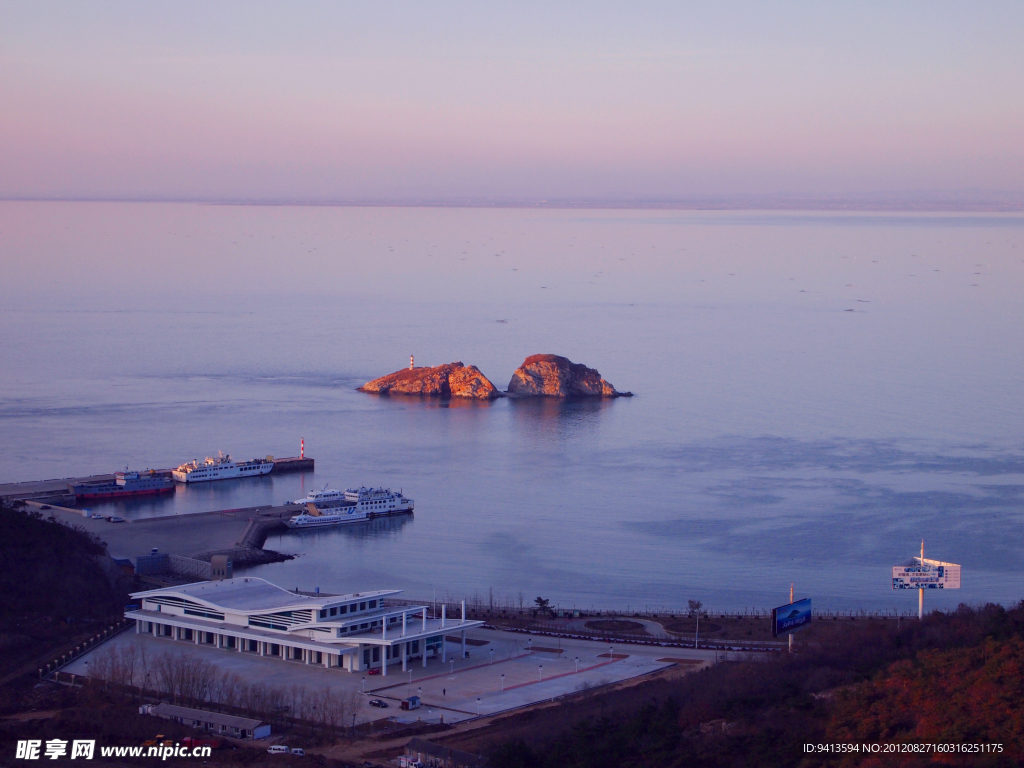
(262, 646)
(404, 615)
(327, 661)
(308, 655)
(238, 644)
(444, 647)
(424, 654)
(405, 656)
(424, 618)
(195, 636)
(138, 627)
(384, 660)
(463, 643)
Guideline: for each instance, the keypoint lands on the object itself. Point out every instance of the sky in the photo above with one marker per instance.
(396, 101)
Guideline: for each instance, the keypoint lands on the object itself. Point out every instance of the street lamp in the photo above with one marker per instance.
(540, 673)
(362, 685)
(492, 655)
(503, 681)
(478, 706)
(577, 664)
(452, 660)
(611, 653)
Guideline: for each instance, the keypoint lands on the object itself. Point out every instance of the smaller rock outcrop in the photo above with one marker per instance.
(556, 376)
(450, 380)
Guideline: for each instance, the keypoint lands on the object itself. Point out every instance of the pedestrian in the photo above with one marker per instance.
(444, 691)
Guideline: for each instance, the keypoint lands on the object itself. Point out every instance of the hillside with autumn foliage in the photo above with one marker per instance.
(964, 696)
(953, 678)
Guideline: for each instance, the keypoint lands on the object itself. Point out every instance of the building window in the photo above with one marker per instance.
(323, 614)
(373, 604)
(362, 606)
(376, 654)
(343, 610)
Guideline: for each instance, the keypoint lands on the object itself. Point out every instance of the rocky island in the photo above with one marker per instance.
(556, 376)
(450, 380)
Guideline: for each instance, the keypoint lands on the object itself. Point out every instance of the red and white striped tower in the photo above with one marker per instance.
(410, 362)
(302, 448)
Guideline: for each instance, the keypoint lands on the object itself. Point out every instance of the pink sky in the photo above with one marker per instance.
(401, 101)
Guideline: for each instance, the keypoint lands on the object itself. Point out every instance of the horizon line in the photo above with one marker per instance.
(960, 201)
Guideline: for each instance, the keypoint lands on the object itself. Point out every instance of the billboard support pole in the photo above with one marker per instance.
(920, 592)
(791, 600)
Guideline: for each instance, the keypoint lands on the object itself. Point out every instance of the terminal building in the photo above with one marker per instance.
(356, 632)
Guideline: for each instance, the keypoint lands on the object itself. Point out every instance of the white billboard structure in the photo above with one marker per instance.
(925, 574)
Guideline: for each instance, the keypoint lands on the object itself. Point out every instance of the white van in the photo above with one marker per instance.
(298, 751)
(278, 749)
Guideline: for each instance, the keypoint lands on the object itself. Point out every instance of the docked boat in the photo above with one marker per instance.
(125, 484)
(324, 495)
(356, 505)
(221, 468)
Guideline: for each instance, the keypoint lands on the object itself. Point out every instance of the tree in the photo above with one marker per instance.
(542, 603)
(694, 608)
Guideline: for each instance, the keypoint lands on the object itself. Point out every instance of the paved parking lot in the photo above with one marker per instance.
(505, 672)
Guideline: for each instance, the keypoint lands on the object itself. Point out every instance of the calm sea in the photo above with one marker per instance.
(815, 393)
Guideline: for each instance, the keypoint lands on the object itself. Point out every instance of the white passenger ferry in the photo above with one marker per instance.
(221, 468)
(325, 494)
(357, 504)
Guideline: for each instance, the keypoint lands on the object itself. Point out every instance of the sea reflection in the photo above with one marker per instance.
(557, 419)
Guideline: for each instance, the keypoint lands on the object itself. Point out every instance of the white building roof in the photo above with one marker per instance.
(205, 716)
(248, 593)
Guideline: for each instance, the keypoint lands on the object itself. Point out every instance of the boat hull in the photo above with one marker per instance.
(111, 494)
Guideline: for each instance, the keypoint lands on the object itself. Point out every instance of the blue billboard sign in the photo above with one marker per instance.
(791, 617)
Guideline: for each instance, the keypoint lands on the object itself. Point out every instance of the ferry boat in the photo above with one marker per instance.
(357, 505)
(325, 494)
(148, 483)
(221, 468)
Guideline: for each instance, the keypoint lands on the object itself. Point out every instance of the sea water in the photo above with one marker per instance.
(815, 392)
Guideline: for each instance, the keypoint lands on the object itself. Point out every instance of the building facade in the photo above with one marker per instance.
(357, 632)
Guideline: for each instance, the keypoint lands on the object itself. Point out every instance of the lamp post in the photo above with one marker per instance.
(611, 652)
(492, 655)
(362, 685)
(577, 665)
(452, 660)
(540, 672)
(503, 681)
(478, 706)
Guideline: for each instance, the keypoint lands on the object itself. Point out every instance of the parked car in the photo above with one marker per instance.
(378, 703)
(278, 749)
(115, 519)
(374, 671)
(46, 506)
(299, 751)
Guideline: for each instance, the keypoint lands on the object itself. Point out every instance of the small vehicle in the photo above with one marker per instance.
(115, 519)
(374, 671)
(278, 749)
(299, 751)
(378, 703)
(46, 506)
